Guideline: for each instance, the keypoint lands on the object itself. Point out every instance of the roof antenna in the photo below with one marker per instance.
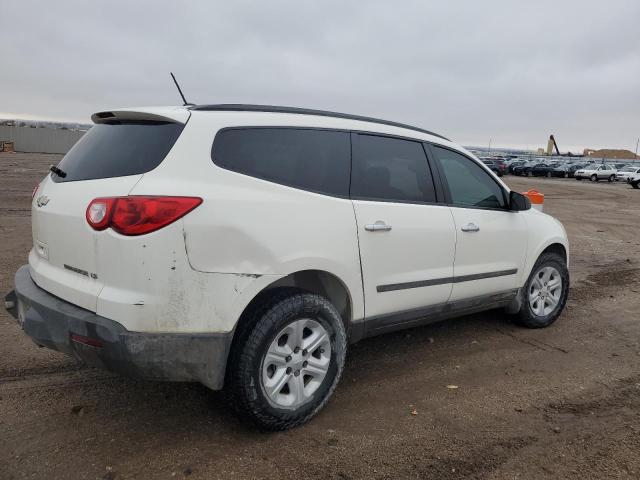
(180, 91)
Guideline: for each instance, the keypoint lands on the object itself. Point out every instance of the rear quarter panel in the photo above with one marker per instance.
(251, 227)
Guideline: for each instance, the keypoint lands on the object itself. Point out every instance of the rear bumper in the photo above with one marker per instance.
(101, 342)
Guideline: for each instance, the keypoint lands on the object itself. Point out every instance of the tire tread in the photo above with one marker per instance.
(241, 391)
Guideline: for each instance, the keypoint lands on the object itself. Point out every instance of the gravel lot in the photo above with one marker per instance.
(563, 402)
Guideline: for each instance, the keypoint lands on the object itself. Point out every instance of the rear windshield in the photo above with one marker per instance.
(118, 149)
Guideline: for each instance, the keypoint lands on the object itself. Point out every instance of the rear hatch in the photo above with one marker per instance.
(108, 161)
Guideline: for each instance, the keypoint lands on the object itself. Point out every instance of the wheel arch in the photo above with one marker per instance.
(558, 248)
(556, 245)
(320, 282)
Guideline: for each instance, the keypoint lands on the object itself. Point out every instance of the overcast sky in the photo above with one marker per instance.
(510, 71)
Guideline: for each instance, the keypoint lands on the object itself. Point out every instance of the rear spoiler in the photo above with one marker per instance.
(158, 114)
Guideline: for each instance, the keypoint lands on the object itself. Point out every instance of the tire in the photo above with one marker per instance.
(634, 185)
(612, 178)
(530, 315)
(566, 175)
(548, 174)
(529, 173)
(285, 317)
(579, 178)
(594, 178)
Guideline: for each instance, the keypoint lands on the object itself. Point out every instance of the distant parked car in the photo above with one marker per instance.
(493, 167)
(527, 168)
(512, 165)
(596, 172)
(502, 165)
(626, 172)
(567, 170)
(634, 180)
(543, 170)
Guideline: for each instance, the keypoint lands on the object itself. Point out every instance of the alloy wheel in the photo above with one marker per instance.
(296, 363)
(545, 291)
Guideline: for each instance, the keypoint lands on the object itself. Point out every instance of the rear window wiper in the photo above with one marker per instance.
(61, 173)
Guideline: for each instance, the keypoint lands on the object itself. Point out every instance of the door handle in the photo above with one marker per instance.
(379, 226)
(470, 227)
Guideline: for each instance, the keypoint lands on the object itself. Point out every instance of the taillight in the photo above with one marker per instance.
(137, 215)
(35, 190)
(99, 213)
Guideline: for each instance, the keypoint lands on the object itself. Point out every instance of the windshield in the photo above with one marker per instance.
(118, 149)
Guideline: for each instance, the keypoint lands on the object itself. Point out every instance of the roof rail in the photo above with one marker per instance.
(239, 107)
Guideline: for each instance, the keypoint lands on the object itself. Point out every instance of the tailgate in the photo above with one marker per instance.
(108, 161)
(63, 260)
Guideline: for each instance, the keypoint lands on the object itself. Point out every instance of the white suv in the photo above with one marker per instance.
(245, 246)
(596, 172)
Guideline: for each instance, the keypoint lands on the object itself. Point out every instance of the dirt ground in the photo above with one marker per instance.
(563, 402)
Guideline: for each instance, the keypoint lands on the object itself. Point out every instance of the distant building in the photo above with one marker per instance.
(610, 153)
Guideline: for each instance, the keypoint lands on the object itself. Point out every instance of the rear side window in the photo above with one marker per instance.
(314, 160)
(390, 169)
(469, 184)
(119, 149)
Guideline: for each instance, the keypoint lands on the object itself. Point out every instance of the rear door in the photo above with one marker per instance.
(407, 240)
(491, 241)
(108, 161)
(604, 171)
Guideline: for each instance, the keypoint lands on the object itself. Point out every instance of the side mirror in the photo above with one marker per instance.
(518, 202)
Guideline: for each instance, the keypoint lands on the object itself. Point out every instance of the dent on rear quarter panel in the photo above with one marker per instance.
(152, 287)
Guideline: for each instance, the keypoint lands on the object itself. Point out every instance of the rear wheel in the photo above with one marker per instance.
(529, 173)
(284, 369)
(549, 174)
(566, 175)
(611, 178)
(545, 293)
(634, 184)
(594, 178)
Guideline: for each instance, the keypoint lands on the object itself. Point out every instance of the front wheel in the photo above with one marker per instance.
(594, 178)
(548, 174)
(566, 175)
(635, 185)
(545, 293)
(286, 365)
(612, 178)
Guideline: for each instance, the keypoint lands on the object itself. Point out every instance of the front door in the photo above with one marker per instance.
(407, 241)
(491, 241)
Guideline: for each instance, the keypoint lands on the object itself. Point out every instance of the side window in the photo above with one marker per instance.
(390, 169)
(314, 160)
(469, 184)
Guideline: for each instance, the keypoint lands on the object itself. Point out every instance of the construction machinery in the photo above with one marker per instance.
(551, 144)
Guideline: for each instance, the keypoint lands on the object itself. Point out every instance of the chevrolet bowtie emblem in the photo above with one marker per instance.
(42, 200)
